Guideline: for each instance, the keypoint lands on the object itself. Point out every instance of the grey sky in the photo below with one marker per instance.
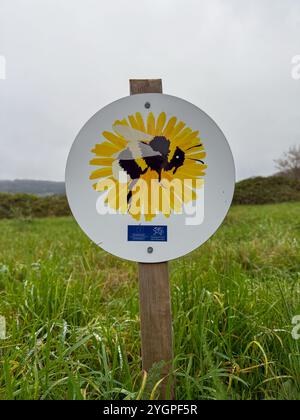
(67, 59)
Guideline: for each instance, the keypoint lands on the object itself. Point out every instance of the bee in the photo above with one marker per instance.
(154, 150)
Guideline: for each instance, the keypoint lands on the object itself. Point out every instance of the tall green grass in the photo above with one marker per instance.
(73, 320)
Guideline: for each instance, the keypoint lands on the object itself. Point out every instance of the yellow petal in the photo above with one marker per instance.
(189, 141)
(140, 122)
(177, 129)
(121, 122)
(113, 198)
(160, 123)
(191, 172)
(100, 173)
(169, 127)
(117, 141)
(194, 150)
(133, 122)
(105, 149)
(151, 124)
(200, 156)
(103, 184)
(102, 161)
(182, 135)
(149, 217)
(135, 216)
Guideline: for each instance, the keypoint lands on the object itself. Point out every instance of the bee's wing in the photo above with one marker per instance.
(136, 151)
(137, 148)
(130, 134)
(147, 151)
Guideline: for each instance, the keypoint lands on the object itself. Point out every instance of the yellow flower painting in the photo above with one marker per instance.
(149, 167)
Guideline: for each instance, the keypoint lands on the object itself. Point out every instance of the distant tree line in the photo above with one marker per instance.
(48, 198)
(258, 190)
(264, 190)
(31, 206)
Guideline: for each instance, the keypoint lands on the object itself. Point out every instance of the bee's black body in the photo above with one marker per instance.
(131, 167)
(159, 161)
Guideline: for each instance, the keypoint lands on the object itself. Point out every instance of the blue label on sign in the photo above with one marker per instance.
(147, 233)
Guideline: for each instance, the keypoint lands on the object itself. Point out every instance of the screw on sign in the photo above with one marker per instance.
(149, 178)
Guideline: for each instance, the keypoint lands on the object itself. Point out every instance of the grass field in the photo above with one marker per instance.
(73, 321)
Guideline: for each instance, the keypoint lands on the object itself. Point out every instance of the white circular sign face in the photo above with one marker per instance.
(150, 177)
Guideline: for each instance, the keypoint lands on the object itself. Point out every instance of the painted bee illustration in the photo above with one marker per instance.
(154, 150)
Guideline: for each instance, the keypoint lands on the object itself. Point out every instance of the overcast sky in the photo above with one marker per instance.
(66, 59)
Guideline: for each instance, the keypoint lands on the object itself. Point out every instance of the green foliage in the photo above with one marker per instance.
(28, 206)
(264, 190)
(259, 190)
(73, 320)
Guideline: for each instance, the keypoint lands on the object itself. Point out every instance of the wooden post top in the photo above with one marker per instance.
(145, 86)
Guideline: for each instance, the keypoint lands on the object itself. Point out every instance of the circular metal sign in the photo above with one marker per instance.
(150, 177)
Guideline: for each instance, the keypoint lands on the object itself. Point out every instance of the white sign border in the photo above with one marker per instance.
(110, 231)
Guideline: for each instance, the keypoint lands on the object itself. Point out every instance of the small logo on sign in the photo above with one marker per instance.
(158, 231)
(147, 233)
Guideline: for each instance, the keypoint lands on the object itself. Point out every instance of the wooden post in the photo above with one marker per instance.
(154, 287)
(145, 86)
